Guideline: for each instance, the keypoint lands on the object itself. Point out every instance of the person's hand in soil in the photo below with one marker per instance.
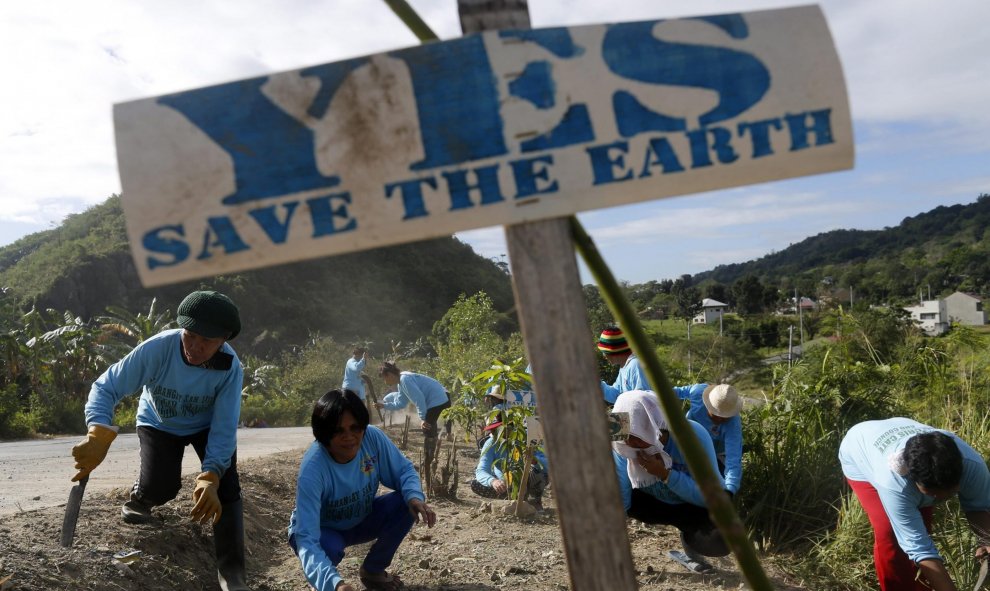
(345, 587)
(423, 512)
(499, 486)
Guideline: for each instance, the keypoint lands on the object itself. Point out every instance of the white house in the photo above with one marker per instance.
(931, 316)
(711, 311)
(965, 309)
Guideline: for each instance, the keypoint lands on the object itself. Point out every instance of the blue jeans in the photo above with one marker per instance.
(389, 522)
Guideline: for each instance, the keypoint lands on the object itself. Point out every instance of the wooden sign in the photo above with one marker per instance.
(495, 128)
(534, 432)
(519, 398)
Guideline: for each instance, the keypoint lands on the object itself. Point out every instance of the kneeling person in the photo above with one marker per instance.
(489, 481)
(336, 504)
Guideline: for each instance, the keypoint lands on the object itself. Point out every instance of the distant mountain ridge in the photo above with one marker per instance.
(940, 247)
(396, 292)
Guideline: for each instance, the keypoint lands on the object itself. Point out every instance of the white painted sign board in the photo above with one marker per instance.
(489, 129)
(519, 398)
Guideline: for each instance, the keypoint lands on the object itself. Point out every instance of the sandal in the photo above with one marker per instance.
(380, 581)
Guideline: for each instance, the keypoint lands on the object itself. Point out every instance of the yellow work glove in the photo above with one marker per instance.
(90, 452)
(207, 502)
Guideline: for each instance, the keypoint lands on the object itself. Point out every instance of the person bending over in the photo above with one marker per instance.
(429, 396)
(716, 407)
(898, 469)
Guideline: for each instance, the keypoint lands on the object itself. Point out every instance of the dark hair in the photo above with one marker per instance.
(388, 368)
(933, 460)
(359, 351)
(330, 408)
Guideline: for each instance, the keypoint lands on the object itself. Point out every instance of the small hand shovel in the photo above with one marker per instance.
(72, 511)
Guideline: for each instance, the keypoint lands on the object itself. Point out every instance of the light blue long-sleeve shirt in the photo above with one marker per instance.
(727, 437)
(352, 376)
(330, 495)
(423, 391)
(631, 377)
(487, 471)
(680, 486)
(865, 454)
(176, 397)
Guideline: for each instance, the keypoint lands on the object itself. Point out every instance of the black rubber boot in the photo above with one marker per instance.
(137, 511)
(228, 542)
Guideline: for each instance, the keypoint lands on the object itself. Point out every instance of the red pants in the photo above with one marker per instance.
(895, 571)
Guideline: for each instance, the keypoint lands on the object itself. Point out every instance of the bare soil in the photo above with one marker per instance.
(474, 546)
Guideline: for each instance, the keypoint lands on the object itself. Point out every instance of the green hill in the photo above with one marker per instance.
(944, 249)
(396, 292)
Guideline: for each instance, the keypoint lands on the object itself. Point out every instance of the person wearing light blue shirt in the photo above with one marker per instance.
(899, 468)
(190, 382)
(337, 504)
(489, 479)
(654, 481)
(612, 343)
(352, 372)
(716, 408)
(429, 396)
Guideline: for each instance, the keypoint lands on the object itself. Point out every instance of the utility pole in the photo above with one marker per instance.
(797, 302)
(790, 345)
(689, 347)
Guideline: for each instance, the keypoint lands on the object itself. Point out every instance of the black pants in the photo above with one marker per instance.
(160, 477)
(536, 483)
(683, 516)
(691, 520)
(433, 415)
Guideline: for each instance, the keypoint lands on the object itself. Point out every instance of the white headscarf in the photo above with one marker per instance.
(646, 420)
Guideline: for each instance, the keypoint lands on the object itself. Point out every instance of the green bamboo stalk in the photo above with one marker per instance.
(719, 505)
(409, 16)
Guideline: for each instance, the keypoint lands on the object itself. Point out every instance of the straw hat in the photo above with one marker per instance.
(722, 400)
(496, 392)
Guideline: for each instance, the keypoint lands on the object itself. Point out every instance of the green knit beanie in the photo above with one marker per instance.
(210, 314)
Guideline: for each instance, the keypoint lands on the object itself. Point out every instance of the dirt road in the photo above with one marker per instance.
(35, 473)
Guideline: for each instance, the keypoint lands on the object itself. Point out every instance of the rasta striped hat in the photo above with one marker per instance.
(613, 342)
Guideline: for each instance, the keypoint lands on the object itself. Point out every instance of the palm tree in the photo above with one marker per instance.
(132, 329)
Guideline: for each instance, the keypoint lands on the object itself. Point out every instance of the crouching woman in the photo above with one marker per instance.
(336, 502)
(654, 480)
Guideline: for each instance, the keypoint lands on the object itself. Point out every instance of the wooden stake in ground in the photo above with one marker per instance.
(524, 481)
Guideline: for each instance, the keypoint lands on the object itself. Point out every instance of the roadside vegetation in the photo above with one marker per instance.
(865, 364)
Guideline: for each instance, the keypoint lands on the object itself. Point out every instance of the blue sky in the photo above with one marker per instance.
(917, 74)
